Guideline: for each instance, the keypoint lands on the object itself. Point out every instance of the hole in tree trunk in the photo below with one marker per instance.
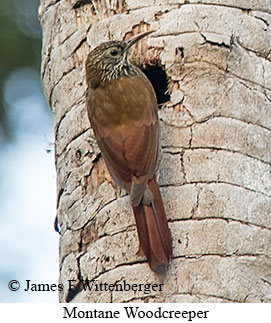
(158, 79)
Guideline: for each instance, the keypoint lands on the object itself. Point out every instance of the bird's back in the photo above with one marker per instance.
(123, 114)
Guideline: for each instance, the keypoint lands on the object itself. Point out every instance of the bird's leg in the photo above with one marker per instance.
(138, 188)
(148, 196)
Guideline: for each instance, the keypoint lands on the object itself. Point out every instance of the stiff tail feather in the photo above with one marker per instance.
(153, 232)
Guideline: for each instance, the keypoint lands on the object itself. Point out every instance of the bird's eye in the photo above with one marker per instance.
(114, 52)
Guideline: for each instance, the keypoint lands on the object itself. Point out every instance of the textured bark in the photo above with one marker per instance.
(216, 142)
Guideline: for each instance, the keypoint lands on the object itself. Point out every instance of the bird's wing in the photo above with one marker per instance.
(123, 115)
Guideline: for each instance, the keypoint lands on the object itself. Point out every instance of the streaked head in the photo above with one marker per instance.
(110, 60)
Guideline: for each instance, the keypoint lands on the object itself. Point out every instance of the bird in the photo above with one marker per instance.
(123, 113)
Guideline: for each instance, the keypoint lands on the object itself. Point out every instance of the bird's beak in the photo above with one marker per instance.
(130, 42)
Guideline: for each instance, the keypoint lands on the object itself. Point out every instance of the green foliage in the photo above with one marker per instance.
(20, 42)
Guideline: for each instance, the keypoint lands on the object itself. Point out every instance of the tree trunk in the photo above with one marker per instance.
(216, 148)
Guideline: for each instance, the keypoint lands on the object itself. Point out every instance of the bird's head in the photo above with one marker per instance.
(110, 60)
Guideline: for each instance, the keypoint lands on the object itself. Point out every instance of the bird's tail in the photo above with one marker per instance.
(153, 232)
